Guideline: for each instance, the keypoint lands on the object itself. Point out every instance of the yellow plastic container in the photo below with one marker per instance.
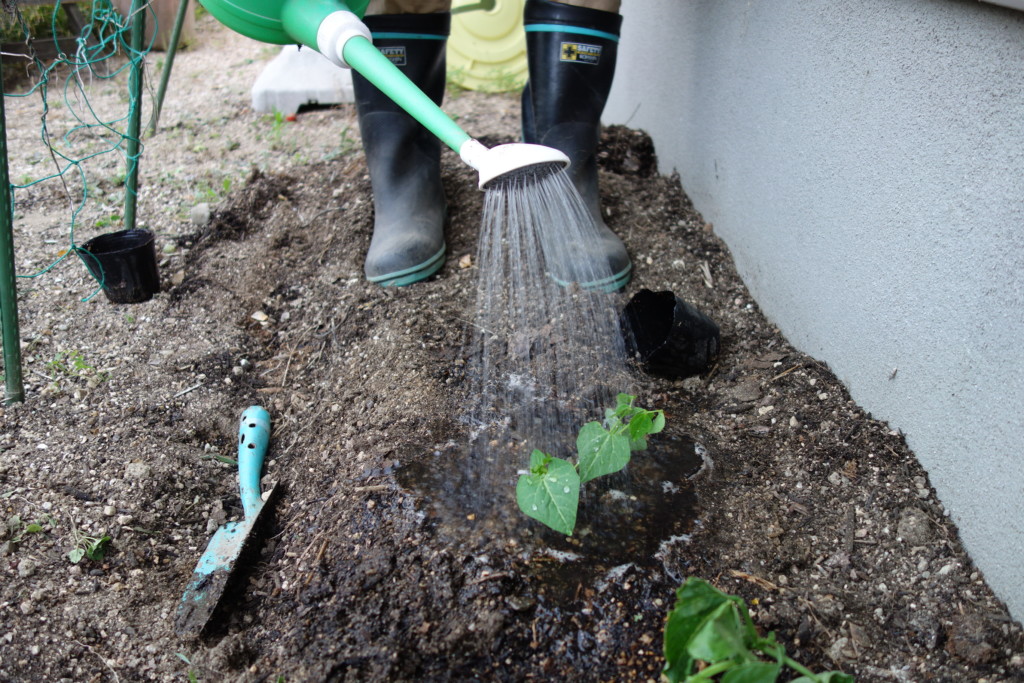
(487, 46)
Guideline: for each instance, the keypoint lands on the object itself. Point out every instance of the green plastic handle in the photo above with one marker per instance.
(253, 437)
(362, 56)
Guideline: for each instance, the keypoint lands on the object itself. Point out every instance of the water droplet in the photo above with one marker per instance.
(565, 490)
(534, 507)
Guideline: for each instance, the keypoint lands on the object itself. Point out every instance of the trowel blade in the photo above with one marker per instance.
(213, 573)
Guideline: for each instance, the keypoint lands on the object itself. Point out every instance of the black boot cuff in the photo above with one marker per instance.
(432, 24)
(548, 12)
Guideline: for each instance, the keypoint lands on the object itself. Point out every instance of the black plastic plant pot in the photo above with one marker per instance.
(125, 263)
(668, 336)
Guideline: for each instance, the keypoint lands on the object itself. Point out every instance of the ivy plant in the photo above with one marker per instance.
(550, 491)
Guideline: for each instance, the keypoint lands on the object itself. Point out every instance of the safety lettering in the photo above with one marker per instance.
(394, 53)
(581, 53)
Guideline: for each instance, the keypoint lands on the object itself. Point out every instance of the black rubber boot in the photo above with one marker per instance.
(403, 156)
(571, 53)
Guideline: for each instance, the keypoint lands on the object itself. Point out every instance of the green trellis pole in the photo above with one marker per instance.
(131, 183)
(14, 390)
(165, 75)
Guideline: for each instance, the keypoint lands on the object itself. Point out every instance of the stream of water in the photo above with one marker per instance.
(545, 355)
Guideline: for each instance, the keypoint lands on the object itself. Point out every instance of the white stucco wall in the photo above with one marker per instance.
(865, 163)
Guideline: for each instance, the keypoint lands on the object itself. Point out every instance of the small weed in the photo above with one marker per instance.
(18, 531)
(72, 364)
(108, 221)
(88, 547)
(193, 677)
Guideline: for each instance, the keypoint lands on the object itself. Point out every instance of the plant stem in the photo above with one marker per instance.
(799, 668)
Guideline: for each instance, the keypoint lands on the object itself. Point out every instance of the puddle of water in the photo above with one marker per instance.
(623, 519)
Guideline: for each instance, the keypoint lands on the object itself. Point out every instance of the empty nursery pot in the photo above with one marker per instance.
(669, 337)
(125, 263)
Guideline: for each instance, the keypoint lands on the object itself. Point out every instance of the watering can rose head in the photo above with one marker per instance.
(511, 161)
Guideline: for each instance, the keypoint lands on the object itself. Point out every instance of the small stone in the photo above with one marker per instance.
(835, 652)
(137, 470)
(27, 607)
(466, 261)
(26, 568)
(109, 510)
(200, 215)
(914, 527)
(260, 316)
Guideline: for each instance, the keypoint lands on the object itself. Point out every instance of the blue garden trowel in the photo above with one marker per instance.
(215, 567)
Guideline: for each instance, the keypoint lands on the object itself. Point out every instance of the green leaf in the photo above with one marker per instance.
(33, 528)
(697, 597)
(97, 550)
(76, 555)
(600, 451)
(695, 600)
(640, 425)
(719, 636)
(678, 663)
(550, 493)
(659, 422)
(753, 672)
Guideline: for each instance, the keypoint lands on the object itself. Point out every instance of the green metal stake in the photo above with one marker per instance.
(14, 390)
(131, 183)
(165, 75)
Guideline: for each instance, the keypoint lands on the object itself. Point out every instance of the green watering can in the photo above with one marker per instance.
(335, 30)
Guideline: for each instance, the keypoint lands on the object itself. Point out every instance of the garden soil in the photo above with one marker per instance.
(781, 489)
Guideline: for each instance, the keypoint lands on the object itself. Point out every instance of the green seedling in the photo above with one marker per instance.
(18, 530)
(70, 363)
(713, 632)
(192, 676)
(88, 547)
(220, 458)
(550, 491)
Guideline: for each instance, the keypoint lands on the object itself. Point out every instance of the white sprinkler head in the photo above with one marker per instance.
(498, 161)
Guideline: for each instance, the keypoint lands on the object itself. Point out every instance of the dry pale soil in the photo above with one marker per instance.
(815, 513)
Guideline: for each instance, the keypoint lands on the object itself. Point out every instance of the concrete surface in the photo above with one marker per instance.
(865, 164)
(300, 77)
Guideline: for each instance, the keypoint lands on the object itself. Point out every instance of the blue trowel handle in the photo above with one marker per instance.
(253, 436)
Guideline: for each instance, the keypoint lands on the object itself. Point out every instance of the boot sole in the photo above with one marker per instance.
(407, 276)
(609, 284)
